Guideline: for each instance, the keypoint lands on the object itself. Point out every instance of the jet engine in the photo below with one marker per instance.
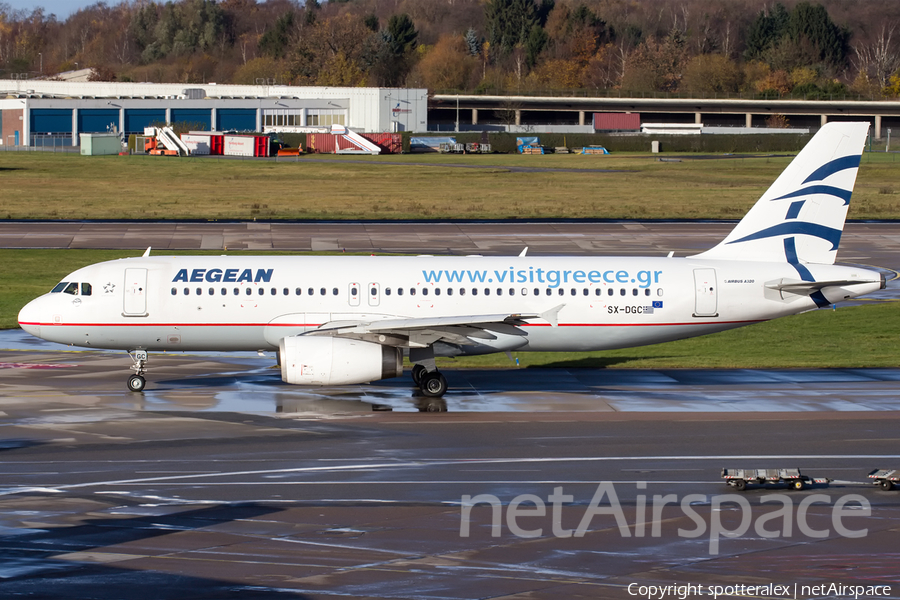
(314, 360)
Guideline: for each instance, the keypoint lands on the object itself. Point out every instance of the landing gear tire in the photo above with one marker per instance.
(433, 384)
(886, 485)
(136, 383)
(417, 372)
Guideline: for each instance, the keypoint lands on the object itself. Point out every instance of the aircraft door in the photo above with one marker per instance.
(353, 294)
(135, 293)
(374, 290)
(706, 289)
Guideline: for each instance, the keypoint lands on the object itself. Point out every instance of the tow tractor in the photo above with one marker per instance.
(886, 478)
(739, 479)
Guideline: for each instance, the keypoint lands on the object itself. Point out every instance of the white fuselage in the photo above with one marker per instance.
(250, 303)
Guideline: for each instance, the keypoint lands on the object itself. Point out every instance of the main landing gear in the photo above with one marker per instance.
(432, 383)
(136, 382)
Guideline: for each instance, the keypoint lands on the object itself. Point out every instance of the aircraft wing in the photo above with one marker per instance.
(419, 332)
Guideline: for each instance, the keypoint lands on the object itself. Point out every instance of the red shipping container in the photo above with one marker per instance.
(617, 121)
(217, 144)
(390, 143)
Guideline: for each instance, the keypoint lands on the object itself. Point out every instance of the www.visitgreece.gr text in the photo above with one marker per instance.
(551, 277)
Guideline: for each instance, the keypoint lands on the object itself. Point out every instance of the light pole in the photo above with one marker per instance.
(42, 62)
(457, 113)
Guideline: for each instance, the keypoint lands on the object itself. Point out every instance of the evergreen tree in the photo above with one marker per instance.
(811, 22)
(509, 22)
(473, 44)
(767, 30)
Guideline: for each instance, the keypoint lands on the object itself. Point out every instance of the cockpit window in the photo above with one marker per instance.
(59, 287)
(85, 289)
(72, 288)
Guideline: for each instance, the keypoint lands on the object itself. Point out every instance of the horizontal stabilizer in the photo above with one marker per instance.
(795, 286)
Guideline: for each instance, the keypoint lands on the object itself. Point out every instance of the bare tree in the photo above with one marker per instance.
(880, 58)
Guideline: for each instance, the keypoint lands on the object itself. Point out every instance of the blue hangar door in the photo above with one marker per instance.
(97, 120)
(199, 119)
(236, 119)
(51, 120)
(136, 119)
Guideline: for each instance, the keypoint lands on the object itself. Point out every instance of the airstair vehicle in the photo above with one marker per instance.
(164, 142)
(361, 144)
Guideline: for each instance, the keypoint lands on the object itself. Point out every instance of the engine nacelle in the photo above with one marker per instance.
(315, 360)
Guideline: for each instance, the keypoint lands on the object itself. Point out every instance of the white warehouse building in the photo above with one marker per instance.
(39, 112)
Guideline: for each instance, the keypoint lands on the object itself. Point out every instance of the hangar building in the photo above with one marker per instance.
(53, 113)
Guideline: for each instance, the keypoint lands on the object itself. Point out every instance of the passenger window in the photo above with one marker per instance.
(549, 291)
(224, 291)
(647, 291)
(424, 291)
(499, 291)
(237, 291)
(512, 291)
(487, 291)
(597, 292)
(634, 292)
(311, 291)
(334, 291)
(474, 291)
(85, 289)
(399, 291)
(273, 292)
(449, 291)
(412, 291)
(622, 292)
(387, 291)
(585, 291)
(212, 291)
(609, 292)
(72, 289)
(561, 291)
(262, 291)
(298, 292)
(187, 291)
(572, 292)
(59, 287)
(659, 291)
(321, 291)
(536, 291)
(174, 291)
(462, 291)
(286, 292)
(199, 291)
(437, 291)
(249, 291)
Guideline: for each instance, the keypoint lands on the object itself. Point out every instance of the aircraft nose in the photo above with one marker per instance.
(29, 319)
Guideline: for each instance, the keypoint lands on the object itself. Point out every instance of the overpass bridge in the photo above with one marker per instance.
(472, 109)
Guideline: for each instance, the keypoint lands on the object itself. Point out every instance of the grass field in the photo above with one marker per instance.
(70, 186)
(858, 336)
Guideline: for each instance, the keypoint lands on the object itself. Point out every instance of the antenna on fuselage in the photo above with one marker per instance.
(522, 253)
(146, 252)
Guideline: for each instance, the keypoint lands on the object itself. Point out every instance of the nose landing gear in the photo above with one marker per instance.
(137, 382)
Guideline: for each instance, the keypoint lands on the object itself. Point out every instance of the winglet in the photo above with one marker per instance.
(552, 315)
(522, 253)
(146, 252)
